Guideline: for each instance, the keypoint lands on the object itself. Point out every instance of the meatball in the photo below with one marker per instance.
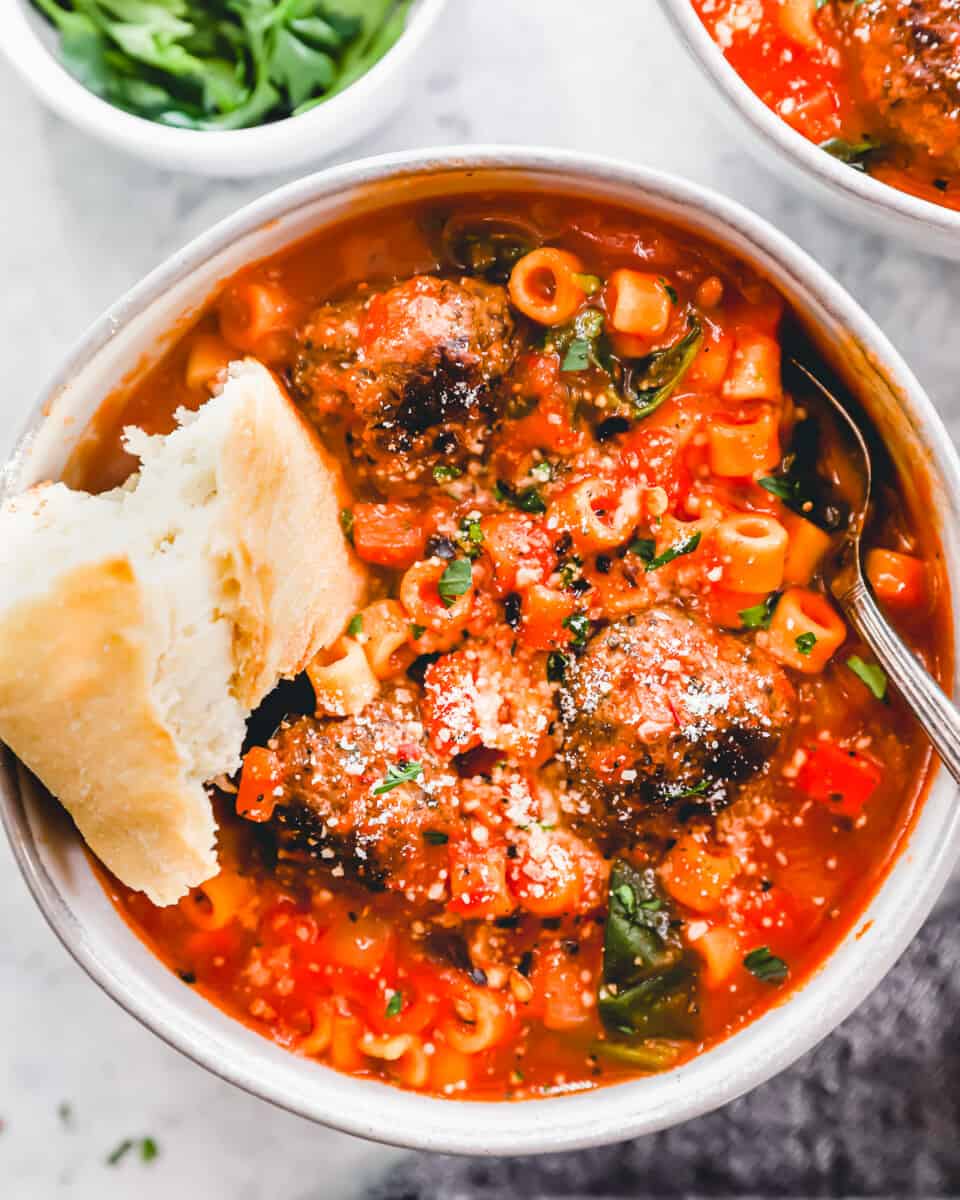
(413, 370)
(662, 710)
(337, 803)
(906, 54)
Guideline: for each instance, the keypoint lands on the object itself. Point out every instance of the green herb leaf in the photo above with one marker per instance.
(591, 284)
(673, 552)
(647, 987)
(528, 501)
(120, 1151)
(435, 837)
(417, 632)
(148, 1150)
(758, 615)
(394, 1005)
(858, 155)
(652, 1054)
(455, 580)
(398, 774)
(655, 378)
(470, 537)
(543, 471)
(580, 626)
(645, 548)
(806, 642)
(787, 490)
(443, 473)
(577, 357)
(556, 666)
(766, 966)
(356, 625)
(870, 674)
(671, 291)
(346, 523)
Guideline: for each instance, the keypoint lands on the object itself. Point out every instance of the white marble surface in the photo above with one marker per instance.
(79, 225)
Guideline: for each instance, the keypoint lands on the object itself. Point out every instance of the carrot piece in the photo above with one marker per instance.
(388, 535)
(261, 775)
(897, 579)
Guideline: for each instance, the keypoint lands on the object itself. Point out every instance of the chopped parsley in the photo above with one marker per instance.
(542, 470)
(671, 552)
(758, 615)
(787, 490)
(577, 357)
(470, 537)
(346, 523)
(435, 837)
(570, 571)
(356, 625)
(671, 291)
(417, 632)
(455, 581)
(580, 627)
(696, 789)
(396, 775)
(120, 1151)
(806, 642)
(591, 284)
(870, 674)
(148, 1150)
(556, 666)
(766, 966)
(855, 154)
(443, 473)
(529, 500)
(394, 1005)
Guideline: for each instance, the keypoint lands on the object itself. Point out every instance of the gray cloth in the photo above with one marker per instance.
(873, 1111)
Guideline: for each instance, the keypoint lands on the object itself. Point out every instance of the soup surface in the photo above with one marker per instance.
(599, 774)
(874, 82)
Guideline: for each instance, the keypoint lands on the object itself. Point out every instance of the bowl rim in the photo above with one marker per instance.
(745, 1059)
(916, 215)
(45, 74)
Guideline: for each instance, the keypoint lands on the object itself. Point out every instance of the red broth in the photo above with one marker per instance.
(867, 79)
(607, 698)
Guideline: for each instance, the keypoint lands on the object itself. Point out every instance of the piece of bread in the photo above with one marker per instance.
(138, 628)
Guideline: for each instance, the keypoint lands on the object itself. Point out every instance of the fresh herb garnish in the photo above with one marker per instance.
(646, 384)
(580, 341)
(417, 632)
(580, 627)
(556, 666)
(858, 155)
(346, 523)
(670, 290)
(356, 625)
(398, 773)
(394, 1005)
(542, 470)
(870, 674)
(148, 1150)
(645, 548)
(120, 1151)
(443, 473)
(766, 966)
(652, 1054)
(758, 615)
(577, 357)
(647, 988)
(696, 789)
(222, 66)
(470, 537)
(570, 571)
(455, 581)
(591, 284)
(653, 563)
(435, 837)
(806, 642)
(787, 490)
(529, 500)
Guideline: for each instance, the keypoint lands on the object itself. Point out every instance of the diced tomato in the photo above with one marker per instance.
(842, 779)
(520, 549)
(545, 876)
(653, 454)
(558, 990)
(544, 612)
(549, 424)
(770, 911)
(449, 705)
(260, 778)
(478, 880)
(897, 579)
(389, 535)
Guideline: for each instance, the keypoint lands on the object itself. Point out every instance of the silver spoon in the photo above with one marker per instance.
(845, 577)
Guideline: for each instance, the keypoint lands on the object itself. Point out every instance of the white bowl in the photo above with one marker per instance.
(49, 852)
(855, 196)
(30, 47)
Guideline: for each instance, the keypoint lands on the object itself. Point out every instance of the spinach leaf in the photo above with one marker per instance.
(646, 384)
(648, 984)
(653, 1054)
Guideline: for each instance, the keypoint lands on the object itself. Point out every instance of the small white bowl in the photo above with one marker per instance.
(49, 852)
(30, 46)
(855, 196)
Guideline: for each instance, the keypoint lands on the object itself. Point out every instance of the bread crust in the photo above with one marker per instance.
(76, 667)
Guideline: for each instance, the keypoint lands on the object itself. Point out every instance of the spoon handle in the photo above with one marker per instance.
(931, 706)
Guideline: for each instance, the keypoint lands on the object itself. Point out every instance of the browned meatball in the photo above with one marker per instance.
(413, 369)
(907, 57)
(661, 710)
(337, 803)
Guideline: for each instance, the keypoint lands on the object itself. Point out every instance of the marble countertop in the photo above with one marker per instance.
(81, 223)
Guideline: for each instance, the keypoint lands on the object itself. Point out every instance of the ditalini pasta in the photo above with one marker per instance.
(595, 772)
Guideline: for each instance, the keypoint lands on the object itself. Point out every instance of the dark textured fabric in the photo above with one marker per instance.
(873, 1111)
